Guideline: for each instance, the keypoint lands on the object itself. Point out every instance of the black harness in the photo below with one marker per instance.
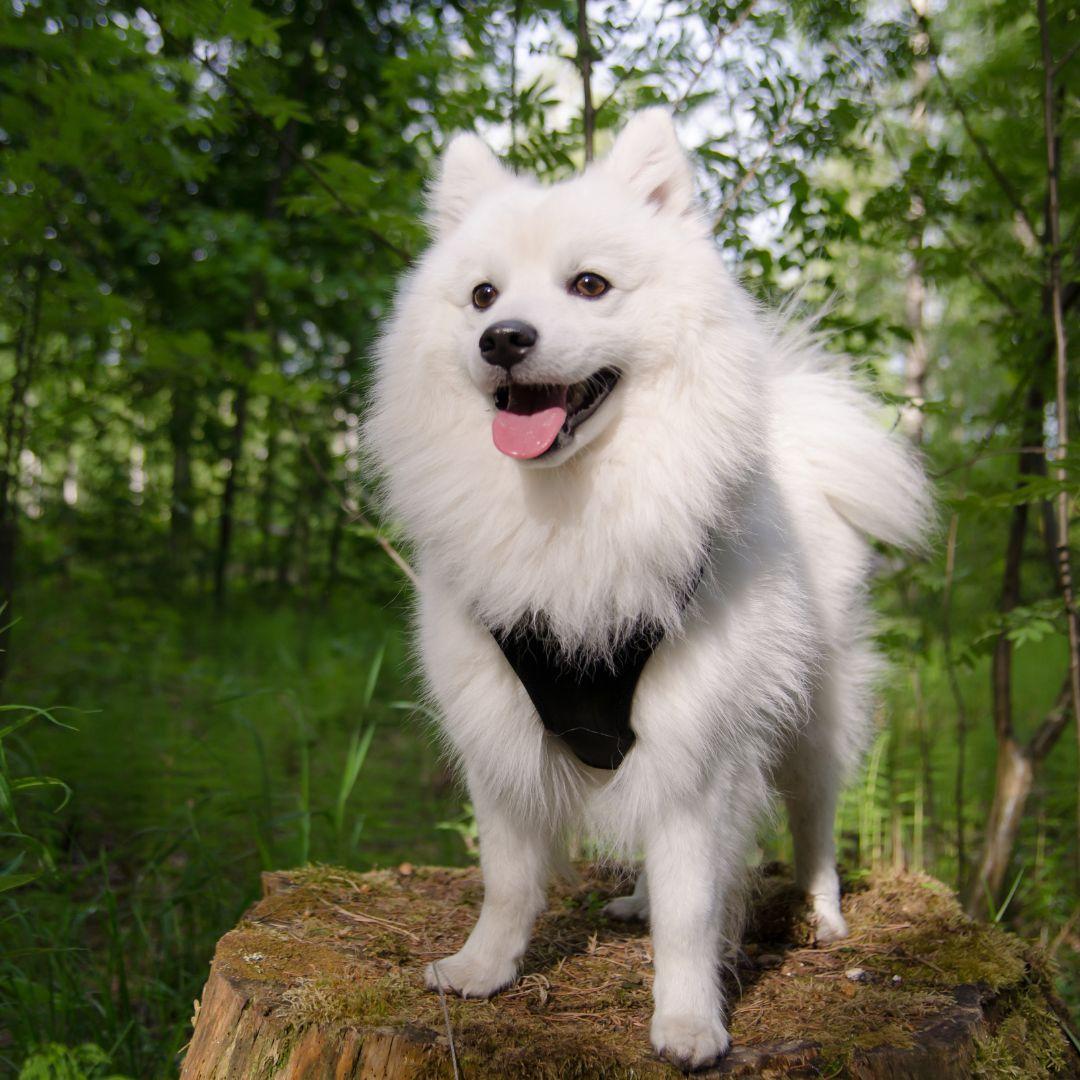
(584, 700)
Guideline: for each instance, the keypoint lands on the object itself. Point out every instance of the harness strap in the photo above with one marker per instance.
(584, 701)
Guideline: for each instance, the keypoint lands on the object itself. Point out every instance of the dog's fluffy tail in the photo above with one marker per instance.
(872, 477)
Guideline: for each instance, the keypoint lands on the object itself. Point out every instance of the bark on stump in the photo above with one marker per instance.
(322, 978)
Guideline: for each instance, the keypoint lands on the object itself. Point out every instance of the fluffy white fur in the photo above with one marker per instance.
(729, 438)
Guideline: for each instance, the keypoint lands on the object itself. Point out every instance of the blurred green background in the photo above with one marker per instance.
(203, 208)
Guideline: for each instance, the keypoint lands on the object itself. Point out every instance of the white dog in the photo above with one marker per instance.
(626, 485)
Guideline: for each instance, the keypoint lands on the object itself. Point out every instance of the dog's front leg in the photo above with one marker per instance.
(515, 859)
(687, 892)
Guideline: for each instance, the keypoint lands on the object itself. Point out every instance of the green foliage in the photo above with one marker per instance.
(464, 825)
(30, 855)
(56, 1062)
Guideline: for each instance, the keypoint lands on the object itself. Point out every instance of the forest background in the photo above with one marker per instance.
(203, 209)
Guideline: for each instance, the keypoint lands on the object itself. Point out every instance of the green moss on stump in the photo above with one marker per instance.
(344, 952)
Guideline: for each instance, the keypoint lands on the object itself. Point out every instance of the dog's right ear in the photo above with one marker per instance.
(468, 171)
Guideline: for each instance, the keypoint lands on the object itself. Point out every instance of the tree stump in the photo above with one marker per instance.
(322, 978)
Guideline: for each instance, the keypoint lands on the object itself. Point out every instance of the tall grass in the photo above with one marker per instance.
(204, 751)
(28, 856)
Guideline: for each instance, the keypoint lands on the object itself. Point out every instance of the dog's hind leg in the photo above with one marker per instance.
(810, 779)
(516, 858)
(635, 906)
(811, 805)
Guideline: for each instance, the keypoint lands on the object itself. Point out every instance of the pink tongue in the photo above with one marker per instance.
(531, 421)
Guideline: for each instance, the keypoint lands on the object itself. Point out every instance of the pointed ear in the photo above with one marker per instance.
(467, 171)
(647, 156)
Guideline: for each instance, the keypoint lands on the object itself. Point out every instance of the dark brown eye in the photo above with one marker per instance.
(589, 285)
(483, 296)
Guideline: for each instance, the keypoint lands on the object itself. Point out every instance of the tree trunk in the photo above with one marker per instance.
(9, 540)
(1002, 829)
(302, 535)
(268, 492)
(181, 508)
(283, 573)
(913, 417)
(337, 530)
(1053, 101)
(1015, 775)
(584, 59)
(286, 556)
(240, 407)
(16, 425)
(962, 718)
(228, 496)
(322, 978)
(515, 33)
(1016, 765)
(916, 360)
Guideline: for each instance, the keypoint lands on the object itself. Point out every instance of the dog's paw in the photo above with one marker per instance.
(829, 925)
(626, 908)
(688, 1041)
(468, 976)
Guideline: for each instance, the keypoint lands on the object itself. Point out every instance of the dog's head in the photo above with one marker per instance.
(553, 302)
(568, 397)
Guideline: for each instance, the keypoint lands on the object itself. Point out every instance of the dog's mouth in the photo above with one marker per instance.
(535, 420)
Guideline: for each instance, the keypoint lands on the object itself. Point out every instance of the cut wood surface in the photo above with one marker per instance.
(322, 978)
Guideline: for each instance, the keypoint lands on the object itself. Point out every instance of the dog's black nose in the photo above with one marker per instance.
(507, 343)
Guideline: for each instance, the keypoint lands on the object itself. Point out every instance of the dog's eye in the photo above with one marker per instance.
(589, 285)
(484, 295)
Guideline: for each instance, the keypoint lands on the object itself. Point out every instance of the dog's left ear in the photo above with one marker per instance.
(648, 157)
(467, 171)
